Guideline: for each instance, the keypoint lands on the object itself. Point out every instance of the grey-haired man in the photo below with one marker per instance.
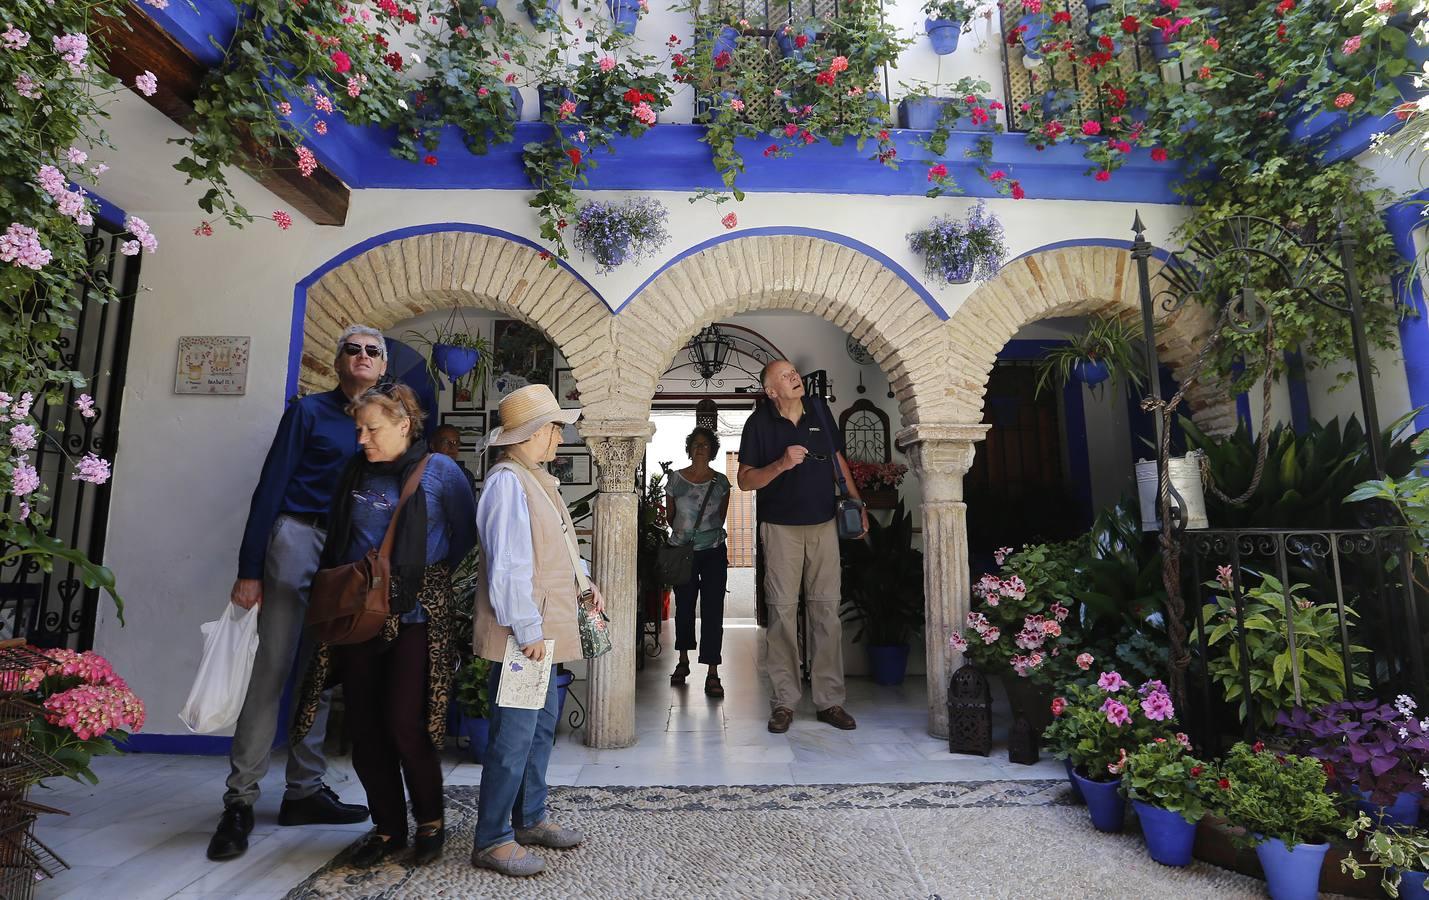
(287, 523)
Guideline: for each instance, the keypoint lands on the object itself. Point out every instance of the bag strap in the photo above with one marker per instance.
(413, 481)
(703, 503)
(581, 581)
(823, 412)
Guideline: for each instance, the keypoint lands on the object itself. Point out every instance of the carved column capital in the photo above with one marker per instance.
(617, 448)
(941, 455)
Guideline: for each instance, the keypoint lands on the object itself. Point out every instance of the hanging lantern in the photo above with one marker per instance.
(710, 351)
(969, 712)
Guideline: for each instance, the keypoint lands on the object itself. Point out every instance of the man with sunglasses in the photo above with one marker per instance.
(287, 524)
(787, 454)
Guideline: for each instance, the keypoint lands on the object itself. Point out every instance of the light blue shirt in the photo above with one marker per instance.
(504, 523)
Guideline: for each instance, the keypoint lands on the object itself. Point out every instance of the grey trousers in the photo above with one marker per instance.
(806, 555)
(294, 549)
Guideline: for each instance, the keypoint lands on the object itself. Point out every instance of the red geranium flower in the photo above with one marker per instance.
(801, 41)
(1159, 154)
(1059, 704)
(722, 59)
(1017, 192)
(1130, 25)
(1196, 771)
(341, 62)
(430, 159)
(1224, 784)
(938, 171)
(575, 156)
(1061, 18)
(1103, 175)
(1257, 747)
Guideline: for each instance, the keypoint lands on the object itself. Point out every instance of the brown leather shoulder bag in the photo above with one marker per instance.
(349, 603)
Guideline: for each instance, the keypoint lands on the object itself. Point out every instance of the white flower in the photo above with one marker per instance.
(1403, 733)
(401, 103)
(416, 58)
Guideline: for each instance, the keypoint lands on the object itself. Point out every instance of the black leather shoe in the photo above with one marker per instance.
(322, 808)
(429, 845)
(375, 848)
(231, 839)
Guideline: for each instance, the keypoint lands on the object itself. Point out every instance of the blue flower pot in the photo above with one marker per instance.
(724, 41)
(1403, 811)
(1071, 779)
(552, 96)
(879, 117)
(542, 12)
(625, 13)
(1169, 837)
(1291, 873)
(788, 44)
(1056, 104)
(1096, 6)
(613, 256)
(1091, 373)
(478, 732)
(1161, 47)
(1411, 886)
(518, 103)
(1032, 37)
(921, 113)
(943, 34)
(489, 4)
(454, 362)
(1104, 802)
(888, 664)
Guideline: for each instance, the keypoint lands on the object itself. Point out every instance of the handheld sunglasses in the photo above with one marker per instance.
(372, 350)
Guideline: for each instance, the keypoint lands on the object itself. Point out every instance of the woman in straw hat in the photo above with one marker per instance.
(529, 591)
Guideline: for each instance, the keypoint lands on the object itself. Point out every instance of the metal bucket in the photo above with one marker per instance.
(1185, 481)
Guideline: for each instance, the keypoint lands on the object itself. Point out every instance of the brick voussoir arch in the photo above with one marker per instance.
(1073, 281)
(444, 268)
(806, 273)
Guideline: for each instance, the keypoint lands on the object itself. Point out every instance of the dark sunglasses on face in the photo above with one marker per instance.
(373, 351)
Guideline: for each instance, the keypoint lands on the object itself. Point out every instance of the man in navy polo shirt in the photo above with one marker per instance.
(287, 524)
(787, 453)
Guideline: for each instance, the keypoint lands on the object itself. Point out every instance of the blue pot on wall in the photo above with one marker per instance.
(1104, 802)
(1411, 886)
(625, 13)
(724, 41)
(454, 362)
(1032, 38)
(943, 34)
(1169, 837)
(478, 732)
(1291, 873)
(552, 96)
(1096, 6)
(1056, 104)
(879, 117)
(542, 12)
(1403, 811)
(1161, 46)
(788, 43)
(518, 103)
(921, 113)
(1091, 373)
(887, 664)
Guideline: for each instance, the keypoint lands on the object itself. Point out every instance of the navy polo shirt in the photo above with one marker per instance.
(315, 439)
(806, 494)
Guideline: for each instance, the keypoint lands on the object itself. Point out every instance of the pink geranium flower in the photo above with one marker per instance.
(1111, 682)
(1116, 712)
(1084, 661)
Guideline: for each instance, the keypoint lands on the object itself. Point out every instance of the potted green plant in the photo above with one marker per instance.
(964, 105)
(883, 594)
(957, 251)
(947, 20)
(472, 694)
(1402, 853)
(1096, 727)
(452, 350)
(1106, 350)
(1170, 790)
(1281, 802)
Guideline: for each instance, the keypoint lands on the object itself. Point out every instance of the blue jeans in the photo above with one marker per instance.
(513, 772)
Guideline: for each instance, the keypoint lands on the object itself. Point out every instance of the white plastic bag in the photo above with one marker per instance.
(229, 645)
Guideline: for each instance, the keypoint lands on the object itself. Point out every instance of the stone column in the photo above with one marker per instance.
(617, 448)
(941, 454)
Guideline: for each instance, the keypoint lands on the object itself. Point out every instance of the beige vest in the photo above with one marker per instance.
(553, 581)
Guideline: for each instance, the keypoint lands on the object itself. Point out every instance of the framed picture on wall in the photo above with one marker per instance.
(570, 437)
(469, 399)
(473, 433)
(521, 355)
(571, 468)
(564, 387)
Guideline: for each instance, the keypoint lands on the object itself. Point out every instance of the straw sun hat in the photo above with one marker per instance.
(524, 411)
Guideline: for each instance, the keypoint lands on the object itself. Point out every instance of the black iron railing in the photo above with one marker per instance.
(1351, 594)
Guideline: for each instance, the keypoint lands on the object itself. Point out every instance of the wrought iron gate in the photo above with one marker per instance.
(55, 609)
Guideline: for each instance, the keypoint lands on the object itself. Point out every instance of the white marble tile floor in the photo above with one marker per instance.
(142, 832)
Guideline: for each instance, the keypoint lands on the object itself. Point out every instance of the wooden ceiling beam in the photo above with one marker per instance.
(138, 44)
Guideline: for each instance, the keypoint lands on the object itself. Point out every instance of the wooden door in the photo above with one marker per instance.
(739, 523)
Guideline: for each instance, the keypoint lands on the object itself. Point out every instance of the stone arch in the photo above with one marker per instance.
(822, 274)
(1074, 281)
(398, 276)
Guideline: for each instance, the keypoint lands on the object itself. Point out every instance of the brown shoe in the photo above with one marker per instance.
(780, 719)
(836, 717)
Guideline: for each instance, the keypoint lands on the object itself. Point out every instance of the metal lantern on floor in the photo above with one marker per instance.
(969, 712)
(1022, 743)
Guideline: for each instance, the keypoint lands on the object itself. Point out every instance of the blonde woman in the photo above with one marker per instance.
(528, 590)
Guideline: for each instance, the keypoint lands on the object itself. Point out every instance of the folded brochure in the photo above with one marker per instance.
(524, 681)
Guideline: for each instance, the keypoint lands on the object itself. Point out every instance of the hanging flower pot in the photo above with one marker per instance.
(724, 41)
(612, 233)
(1033, 26)
(943, 34)
(1169, 837)
(1096, 6)
(1161, 47)
(542, 13)
(1056, 104)
(1091, 372)
(1291, 873)
(922, 113)
(1104, 802)
(454, 361)
(1185, 473)
(625, 13)
(789, 41)
(956, 251)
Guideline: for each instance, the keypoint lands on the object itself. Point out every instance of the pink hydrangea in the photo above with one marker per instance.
(13, 38)
(1111, 682)
(72, 49)
(91, 711)
(1158, 707)
(1084, 661)
(20, 245)
(91, 469)
(1116, 712)
(24, 480)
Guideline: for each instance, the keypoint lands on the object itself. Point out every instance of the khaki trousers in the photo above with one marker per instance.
(807, 555)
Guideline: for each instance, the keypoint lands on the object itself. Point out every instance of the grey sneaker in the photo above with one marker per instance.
(516, 866)
(549, 834)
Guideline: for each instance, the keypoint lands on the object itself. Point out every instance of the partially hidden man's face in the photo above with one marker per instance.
(783, 383)
(447, 443)
(362, 359)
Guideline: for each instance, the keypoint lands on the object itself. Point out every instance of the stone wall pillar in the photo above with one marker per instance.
(617, 448)
(941, 454)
